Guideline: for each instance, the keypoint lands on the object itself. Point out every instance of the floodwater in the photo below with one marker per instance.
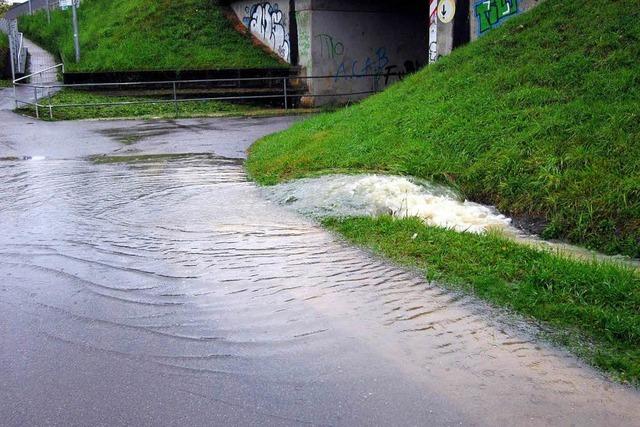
(373, 195)
(169, 291)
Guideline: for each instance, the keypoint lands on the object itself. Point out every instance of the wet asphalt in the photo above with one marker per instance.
(169, 291)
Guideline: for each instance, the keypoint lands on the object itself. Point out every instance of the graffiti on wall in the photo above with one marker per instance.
(329, 47)
(267, 22)
(491, 13)
(433, 31)
(378, 64)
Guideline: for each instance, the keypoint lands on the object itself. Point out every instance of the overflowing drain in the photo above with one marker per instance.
(375, 195)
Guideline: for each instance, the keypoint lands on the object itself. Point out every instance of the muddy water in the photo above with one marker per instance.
(402, 197)
(169, 291)
(374, 195)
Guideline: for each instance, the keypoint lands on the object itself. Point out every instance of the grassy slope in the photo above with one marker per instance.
(4, 54)
(133, 35)
(540, 117)
(593, 307)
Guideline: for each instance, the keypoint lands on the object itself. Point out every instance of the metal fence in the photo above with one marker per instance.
(287, 91)
(17, 50)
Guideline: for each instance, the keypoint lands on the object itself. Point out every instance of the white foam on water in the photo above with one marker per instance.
(374, 195)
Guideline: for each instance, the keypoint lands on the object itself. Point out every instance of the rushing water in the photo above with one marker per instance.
(401, 197)
(373, 195)
(169, 291)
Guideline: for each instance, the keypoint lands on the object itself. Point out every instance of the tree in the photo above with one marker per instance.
(4, 7)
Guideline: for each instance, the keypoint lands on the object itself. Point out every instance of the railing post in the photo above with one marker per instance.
(50, 106)
(175, 99)
(35, 92)
(286, 100)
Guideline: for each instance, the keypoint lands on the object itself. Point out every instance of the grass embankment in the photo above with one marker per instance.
(4, 58)
(540, 117)
(139, 35)
(593, 307)
(140, 108)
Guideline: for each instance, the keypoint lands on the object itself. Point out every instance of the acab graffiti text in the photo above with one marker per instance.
(378, 64)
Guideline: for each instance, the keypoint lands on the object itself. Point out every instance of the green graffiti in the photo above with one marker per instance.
(491, 13)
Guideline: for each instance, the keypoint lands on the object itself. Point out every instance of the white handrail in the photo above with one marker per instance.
(39, 72)
(20, 48)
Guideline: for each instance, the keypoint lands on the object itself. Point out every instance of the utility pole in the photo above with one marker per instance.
(76, 37)
(48, 12)
(30, 8)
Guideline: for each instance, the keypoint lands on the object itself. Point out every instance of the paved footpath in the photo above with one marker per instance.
(40, 59)
(164, 290)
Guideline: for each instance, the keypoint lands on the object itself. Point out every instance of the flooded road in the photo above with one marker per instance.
(165, 290)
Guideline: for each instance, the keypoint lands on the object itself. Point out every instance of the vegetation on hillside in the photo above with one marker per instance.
(140, 35)
(540, 117)
(4, 7)
(4, 58)
(593, 307)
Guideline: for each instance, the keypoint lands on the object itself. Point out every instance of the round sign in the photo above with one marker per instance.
(446, 10)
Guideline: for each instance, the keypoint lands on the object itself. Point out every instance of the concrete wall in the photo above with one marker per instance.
(269, 22)
(487, 15)
(473, 19)
(343, 40)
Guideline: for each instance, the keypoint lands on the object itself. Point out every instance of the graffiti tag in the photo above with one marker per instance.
(378, 65)
(330, 48)
(369, 65)
(491, 13)
(268, 22)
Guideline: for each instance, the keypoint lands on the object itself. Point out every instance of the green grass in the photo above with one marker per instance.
(593, 307)
(4, 56)
(160, 110)
(139, 35)
(540, 117)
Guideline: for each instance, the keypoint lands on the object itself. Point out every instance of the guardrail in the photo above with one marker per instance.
(36, 96)
(285, 88)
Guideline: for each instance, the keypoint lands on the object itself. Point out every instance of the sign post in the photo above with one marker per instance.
(13, 54)
(76, 38)
(433, 31)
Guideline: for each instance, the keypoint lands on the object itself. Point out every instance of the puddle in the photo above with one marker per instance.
(159, 158)
(169, 273)
(23, 158)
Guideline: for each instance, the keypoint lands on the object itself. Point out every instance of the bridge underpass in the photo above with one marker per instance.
(345, 39)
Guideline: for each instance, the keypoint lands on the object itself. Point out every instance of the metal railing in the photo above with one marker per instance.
(39, 86)
(286, 89)
(18, 53)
